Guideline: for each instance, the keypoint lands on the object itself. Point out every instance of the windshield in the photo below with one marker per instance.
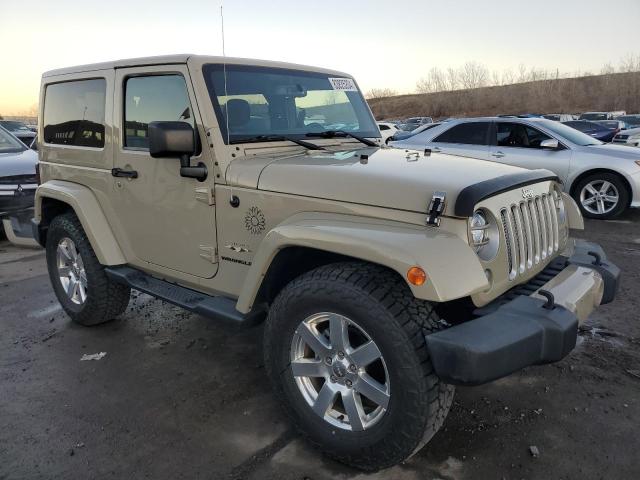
(262, 102)
(631, 121)
(13, 126)
(569, 133)
(10, 144)
(593, 116)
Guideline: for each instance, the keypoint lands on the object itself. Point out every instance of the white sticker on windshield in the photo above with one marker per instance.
(344, 84)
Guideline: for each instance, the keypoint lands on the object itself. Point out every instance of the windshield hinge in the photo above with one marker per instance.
(436, 207)
(205, 195)
(209, 253)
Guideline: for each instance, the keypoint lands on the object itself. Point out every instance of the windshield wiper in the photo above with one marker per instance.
(342, 133)
(278, 138)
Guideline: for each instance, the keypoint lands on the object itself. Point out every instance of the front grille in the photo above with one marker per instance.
(621, 137)
(18, 179)
(531, 232)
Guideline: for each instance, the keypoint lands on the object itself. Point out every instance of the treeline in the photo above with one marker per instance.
(615, 91)
(472, 90)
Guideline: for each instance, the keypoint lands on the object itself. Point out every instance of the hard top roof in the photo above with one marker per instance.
(183, 58)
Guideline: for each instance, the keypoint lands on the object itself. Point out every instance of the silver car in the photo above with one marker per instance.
(604, 179)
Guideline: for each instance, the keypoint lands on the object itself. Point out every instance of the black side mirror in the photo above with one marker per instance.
(176, 139)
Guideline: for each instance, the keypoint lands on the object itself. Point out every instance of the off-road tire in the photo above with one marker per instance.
(620, 185)
(105, 298)
(379, 301)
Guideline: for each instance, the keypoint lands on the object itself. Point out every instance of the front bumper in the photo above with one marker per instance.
(533, 324)
(16, 198)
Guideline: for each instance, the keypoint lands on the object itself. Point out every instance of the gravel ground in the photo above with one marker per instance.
(181, 396)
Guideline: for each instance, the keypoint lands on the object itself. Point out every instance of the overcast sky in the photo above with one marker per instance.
(383, 43)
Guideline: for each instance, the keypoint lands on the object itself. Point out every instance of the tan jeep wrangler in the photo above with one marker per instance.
(245, 189)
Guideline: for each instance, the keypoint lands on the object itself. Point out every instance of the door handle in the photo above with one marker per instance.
(118, 172)
(498, 154)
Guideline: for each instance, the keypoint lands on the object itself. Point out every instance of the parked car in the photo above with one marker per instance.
(594, 129)
(632, 121)
(417, 121)
(19, 130)
(18, 183)
(603, 179)
(629, 137)
(601, 115)
(387, 130)
(348, 249)
(401, 135)
(615, 125)
(559, 117)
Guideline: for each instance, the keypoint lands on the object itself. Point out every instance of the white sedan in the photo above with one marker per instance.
(629, 137)
(387, 130)
(603, 179)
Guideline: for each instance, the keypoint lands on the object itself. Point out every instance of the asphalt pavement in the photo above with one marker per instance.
(181, 396)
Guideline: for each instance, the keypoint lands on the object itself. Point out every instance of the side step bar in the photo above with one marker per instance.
(206, 305)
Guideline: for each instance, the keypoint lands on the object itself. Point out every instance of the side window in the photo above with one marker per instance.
(152, 99)
(74, 113)
(473, 133)
(383, 127)
(519, 135)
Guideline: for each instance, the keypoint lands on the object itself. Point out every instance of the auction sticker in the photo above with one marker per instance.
(344, 84)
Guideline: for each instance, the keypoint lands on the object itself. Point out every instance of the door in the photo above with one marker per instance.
(468, 139)
(164, 219)
(519, 144)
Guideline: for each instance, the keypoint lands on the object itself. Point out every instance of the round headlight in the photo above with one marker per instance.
(483, 234)
(479, 228)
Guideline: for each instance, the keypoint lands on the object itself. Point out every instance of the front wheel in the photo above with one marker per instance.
(345, 349)
(83, 289)
(602, 196)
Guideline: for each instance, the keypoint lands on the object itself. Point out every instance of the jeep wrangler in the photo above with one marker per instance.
(249, 190)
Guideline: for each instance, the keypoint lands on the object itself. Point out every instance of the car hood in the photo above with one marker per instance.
(615, 151)
(392, 178)
(18, 163)
(630, 131)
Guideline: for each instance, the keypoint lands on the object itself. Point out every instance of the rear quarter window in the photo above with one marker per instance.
(74, 113)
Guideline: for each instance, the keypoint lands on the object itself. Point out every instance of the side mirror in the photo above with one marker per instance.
(176, 139)
(550, 144)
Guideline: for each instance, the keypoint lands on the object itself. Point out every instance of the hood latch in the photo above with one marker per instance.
(436, 207)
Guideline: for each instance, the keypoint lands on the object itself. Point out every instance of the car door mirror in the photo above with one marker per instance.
(550, 144)
(177, 140)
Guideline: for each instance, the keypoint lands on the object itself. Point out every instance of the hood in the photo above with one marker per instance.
(614, 151)
(18, 163)
(630, 131)
(388, 178)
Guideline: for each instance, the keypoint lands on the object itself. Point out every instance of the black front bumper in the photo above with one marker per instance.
(517, 330)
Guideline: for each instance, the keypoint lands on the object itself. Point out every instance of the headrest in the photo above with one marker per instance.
(239, 112)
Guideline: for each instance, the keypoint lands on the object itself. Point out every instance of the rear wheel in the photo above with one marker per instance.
(602, 195)
(345, 349)
(78, 279)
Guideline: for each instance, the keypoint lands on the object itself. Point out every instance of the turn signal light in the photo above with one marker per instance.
(416, 276)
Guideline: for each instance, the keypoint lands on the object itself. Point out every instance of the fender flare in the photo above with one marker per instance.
(453, 269)
(87, 208)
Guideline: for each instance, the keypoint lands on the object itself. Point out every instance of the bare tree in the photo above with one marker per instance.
(380, 93)
(473, 75)
(435, 81)
(452, 79)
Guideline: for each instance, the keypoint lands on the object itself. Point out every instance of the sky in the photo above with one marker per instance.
(384, 44)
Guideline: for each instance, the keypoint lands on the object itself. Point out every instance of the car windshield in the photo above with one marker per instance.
(631, 121)
(10, 144)
(13, 126)
(569, 133)
(253, 103)
(593, 116)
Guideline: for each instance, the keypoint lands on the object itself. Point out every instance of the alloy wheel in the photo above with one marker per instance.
(599, 197)
(340, 371)
(71, 272)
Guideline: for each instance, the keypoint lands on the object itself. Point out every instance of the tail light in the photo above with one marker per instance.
(38, 174)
